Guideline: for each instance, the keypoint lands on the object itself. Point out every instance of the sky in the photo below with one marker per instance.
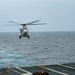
(59, 15)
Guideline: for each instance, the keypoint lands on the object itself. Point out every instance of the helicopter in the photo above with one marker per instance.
(24, 32)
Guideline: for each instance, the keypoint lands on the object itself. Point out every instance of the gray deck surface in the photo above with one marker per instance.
(63, 69)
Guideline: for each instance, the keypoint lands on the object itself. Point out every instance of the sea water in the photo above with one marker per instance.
(43, 48)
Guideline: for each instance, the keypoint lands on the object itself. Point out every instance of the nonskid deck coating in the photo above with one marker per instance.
(59, 69)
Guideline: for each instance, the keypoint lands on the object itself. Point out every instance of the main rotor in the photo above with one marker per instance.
(30, 23)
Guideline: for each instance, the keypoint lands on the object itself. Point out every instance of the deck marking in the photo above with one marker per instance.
(24, 71)
(15, 71)
(53, 70)
(67, 66)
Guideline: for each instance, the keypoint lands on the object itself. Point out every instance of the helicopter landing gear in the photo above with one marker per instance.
(19, 36)
(28, 37)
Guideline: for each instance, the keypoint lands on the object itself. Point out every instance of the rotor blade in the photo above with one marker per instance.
(10, 25)
(38, 24)
(33, 22)
(14, 22)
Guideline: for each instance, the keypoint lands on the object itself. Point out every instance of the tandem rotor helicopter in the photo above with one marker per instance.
(24, 32)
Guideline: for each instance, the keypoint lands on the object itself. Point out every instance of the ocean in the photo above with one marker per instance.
(43, 48)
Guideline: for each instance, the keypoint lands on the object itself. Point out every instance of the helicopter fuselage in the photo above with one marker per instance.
(24, 32)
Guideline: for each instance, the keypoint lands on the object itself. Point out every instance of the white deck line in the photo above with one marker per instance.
(15, 71)
(67, 66)
(27, 72)
(53, 70)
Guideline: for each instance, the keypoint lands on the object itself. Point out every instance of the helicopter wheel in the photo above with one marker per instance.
(19, 36)
(28, 37)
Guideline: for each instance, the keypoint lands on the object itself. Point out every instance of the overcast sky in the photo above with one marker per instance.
(58, 14)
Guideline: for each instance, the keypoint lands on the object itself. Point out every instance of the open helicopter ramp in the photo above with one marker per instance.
(59, 69)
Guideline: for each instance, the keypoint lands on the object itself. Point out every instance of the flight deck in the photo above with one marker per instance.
(59, 69)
